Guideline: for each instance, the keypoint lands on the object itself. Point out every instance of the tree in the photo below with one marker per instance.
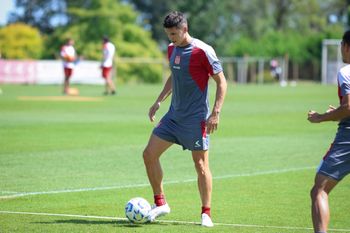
(42, 14)
(205, 19)
(20, 41)
(223, 22)
(152, 14)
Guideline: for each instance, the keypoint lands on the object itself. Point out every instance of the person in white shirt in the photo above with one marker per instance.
(107, 65)
(68, 56)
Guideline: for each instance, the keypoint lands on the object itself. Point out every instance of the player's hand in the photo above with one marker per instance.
(153, 110)
(314, 117)
(212, 123)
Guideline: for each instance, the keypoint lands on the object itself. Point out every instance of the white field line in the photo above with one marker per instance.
(168, 221)
(22, 194)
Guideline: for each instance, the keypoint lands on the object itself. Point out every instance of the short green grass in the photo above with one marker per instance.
(263, 159)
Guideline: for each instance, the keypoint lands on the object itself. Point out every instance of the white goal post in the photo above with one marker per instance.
(331, 60)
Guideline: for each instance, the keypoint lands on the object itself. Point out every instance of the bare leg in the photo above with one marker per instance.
(66, 85)
(110, 85)
(155, 148)
(319, 196)
(106, 88)
(201, 162)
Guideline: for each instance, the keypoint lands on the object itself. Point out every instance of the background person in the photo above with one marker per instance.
(275, 69)
(68, 56)
(107, 65)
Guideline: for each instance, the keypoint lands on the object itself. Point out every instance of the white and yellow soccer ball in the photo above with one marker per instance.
(136, 210)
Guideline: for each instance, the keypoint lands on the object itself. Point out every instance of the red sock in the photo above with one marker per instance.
(159, 199)
(206, 210)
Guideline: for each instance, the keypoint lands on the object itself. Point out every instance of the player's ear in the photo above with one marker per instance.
(347, 47)
(185, 28)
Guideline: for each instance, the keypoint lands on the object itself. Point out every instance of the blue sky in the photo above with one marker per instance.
(6, 7)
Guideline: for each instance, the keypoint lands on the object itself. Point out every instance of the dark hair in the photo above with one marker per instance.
(174, 19)
(69, 39)
(346, 38)
(105, 38)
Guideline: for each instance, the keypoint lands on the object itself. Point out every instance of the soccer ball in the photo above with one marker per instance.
(69, 58)
(136, 210)
(73, 91)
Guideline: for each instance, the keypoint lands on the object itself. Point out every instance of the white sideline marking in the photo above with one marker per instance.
(168, 221)
(22, 194)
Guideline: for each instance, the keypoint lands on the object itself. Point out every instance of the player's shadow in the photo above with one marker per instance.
(117, 223)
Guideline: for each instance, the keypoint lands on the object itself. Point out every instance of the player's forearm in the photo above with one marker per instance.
(338, 114)
(165, 92)
(220, 95)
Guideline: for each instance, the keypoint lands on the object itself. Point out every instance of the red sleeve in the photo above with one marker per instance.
(170, 50)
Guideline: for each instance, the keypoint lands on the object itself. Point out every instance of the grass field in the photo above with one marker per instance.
(71, 164)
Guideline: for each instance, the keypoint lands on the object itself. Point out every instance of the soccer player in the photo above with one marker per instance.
(188, 121)
(336, 163)
(68, 56)
(107, 65)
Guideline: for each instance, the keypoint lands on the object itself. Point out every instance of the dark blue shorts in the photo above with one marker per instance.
(336, 162)
(190, 135)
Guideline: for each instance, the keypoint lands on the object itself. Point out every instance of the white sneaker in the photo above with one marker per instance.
(206, 221)
(158, 211)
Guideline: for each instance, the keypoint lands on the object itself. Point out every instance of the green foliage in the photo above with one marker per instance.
(279, 43)
(39, 14)
(20, 41)
(257, 28)
(107, 17)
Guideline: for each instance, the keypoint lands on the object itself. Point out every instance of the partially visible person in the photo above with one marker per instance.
(275, 69)
(68, 56)
(335, 165)
(107, 66)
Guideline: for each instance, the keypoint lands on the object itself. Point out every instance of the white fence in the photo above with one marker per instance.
(48, 72)
(240, 70)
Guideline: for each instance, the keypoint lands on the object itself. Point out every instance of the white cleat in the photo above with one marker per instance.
(206, 221)
(158, 211)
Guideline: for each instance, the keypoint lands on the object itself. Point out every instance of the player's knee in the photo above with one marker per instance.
(202, 169)
(147, 156)
(315, 192)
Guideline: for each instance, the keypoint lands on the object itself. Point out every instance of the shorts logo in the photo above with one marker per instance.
(196, 144)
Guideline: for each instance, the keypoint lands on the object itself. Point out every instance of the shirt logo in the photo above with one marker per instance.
(177, 60)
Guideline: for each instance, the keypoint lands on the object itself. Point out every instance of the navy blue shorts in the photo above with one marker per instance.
(336, 162)
(190, 135)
